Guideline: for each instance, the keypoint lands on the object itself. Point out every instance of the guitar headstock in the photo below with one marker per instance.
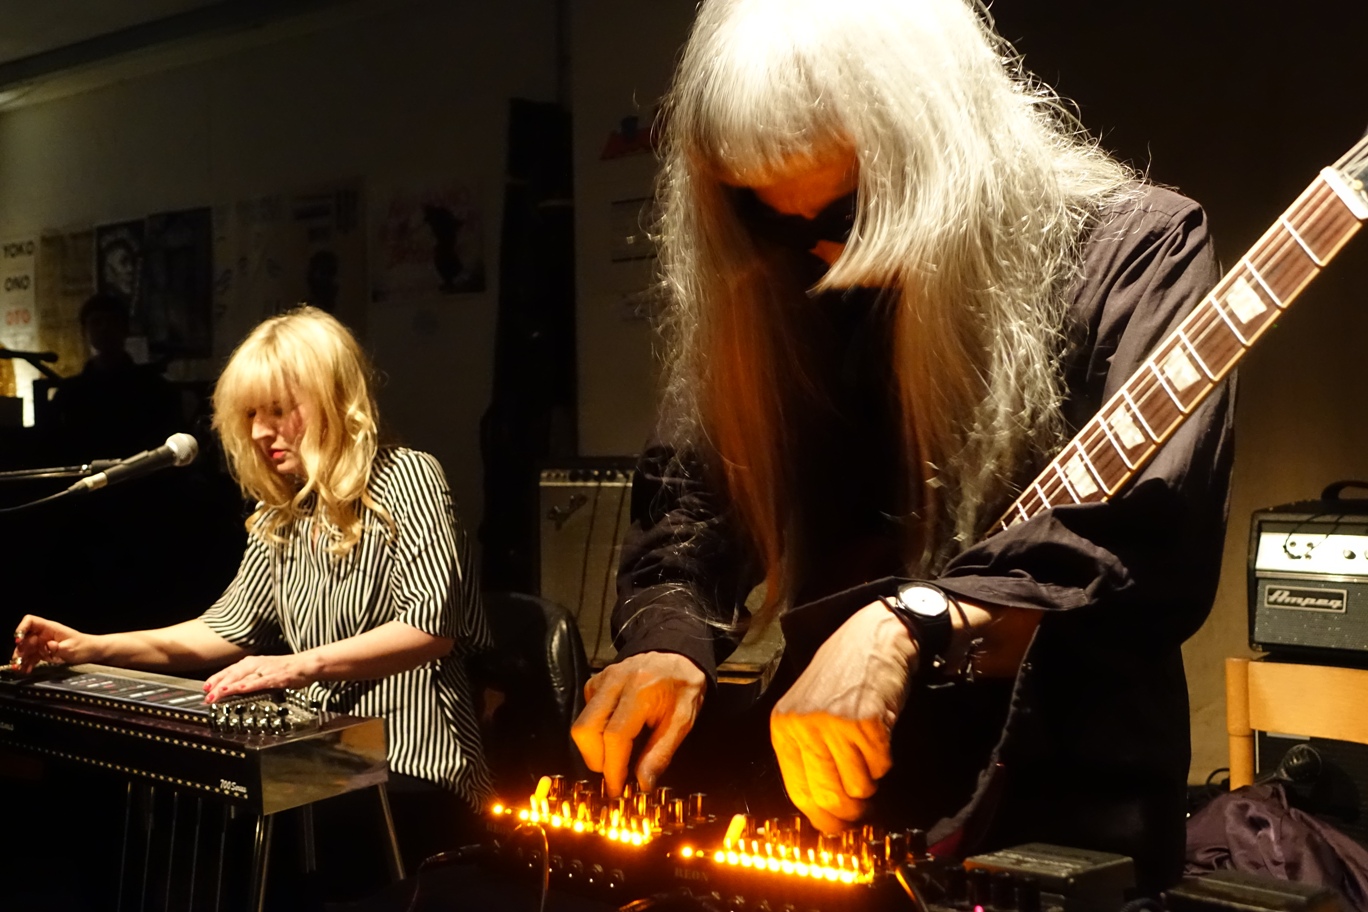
(1352, 173)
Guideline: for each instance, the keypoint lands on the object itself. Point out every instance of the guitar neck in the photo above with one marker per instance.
(1206, 346)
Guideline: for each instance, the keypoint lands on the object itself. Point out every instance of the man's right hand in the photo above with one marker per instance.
(39, 640)
(662, 691)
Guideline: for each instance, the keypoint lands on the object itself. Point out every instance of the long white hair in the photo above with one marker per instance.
(975, 188)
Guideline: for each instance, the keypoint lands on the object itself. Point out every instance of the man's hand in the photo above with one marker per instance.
(661, 691)
(39, 640)
(832, 731)
(262, 673)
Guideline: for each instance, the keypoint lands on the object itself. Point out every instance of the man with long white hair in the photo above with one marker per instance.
(899, 276)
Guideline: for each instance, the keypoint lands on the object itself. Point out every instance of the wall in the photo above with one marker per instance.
(622, 64)
(399, 92)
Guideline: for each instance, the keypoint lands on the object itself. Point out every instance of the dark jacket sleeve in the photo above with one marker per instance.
(1159, 541)
(684, 576)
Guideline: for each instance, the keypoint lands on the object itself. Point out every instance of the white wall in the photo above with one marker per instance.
(622, 63)
(405, 91)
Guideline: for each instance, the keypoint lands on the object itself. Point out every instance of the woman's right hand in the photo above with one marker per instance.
(39, 640)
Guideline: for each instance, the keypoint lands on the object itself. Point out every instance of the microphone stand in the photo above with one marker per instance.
(80, 471)
(35, 360)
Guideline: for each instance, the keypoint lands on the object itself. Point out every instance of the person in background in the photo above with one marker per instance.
(114, 407)
(899, 276)
(357, 586)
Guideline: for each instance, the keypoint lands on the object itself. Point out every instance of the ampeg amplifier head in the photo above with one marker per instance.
(1308, 577)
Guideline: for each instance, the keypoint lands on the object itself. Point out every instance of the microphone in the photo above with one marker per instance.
(179, 450)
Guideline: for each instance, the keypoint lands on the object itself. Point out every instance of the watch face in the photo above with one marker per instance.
(923, 600)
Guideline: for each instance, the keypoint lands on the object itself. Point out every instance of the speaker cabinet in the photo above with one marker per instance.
(582, 517)
(584, 512)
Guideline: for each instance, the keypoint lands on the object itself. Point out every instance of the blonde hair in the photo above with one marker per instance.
(303, 356)
(975, 188)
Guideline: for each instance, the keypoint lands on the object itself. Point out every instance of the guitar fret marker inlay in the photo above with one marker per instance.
(1123, 426)
(1244, 300)
(1178, 369)
(1079, 477)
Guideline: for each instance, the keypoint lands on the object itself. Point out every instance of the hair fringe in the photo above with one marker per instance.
(308, 357)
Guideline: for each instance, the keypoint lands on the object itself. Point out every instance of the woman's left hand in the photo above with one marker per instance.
(832, 731)
(262, 673)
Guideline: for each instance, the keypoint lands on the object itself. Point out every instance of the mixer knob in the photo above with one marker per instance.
(696, 811)
(629, 789)
(641, 803)
(557, 788)
(916, 845)
(895, 848)
(596, 873)
(663, 796)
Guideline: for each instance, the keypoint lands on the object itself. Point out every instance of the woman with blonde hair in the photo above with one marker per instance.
(357, 586)
(898, 277)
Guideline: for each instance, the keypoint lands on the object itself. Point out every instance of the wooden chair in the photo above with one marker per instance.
(1317, 701)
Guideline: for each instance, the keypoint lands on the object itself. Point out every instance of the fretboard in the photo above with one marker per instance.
(1206, 346)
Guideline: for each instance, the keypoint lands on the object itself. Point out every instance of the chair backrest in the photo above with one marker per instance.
(1315, 701)
(531, 687)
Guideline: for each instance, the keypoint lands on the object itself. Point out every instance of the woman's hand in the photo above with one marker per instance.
(254, 673)
(832, 731)
(660, 691)
(39, 640)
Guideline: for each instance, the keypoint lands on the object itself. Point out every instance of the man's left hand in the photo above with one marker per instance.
(832, 731)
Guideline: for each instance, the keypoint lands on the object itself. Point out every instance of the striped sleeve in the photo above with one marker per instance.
(432, 577)
(245, 614)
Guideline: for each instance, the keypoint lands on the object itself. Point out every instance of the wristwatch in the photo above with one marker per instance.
(925, 610)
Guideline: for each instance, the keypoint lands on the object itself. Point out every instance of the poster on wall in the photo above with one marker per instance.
(118, 262)
(429, 241)
(274, 252)
(65, 279)
(174, 300)
(18, 319)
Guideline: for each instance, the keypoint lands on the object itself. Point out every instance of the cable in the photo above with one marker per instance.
(441, 859)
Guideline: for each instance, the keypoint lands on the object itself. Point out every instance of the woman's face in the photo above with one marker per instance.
(277, 429)
(818, 192)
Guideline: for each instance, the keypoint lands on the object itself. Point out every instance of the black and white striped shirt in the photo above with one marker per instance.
(298, 596)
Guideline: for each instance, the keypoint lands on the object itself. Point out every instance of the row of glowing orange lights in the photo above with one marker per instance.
(828, 872)
(624, 835)
(823, 870)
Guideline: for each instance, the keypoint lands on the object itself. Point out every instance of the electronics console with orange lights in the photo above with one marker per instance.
(646, 843)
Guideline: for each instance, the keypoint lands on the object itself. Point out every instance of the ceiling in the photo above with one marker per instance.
(50, 48)
(34, 28)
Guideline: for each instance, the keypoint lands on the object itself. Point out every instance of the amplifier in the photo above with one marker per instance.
(1308, 578)
(584, 510)
(583, 513)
